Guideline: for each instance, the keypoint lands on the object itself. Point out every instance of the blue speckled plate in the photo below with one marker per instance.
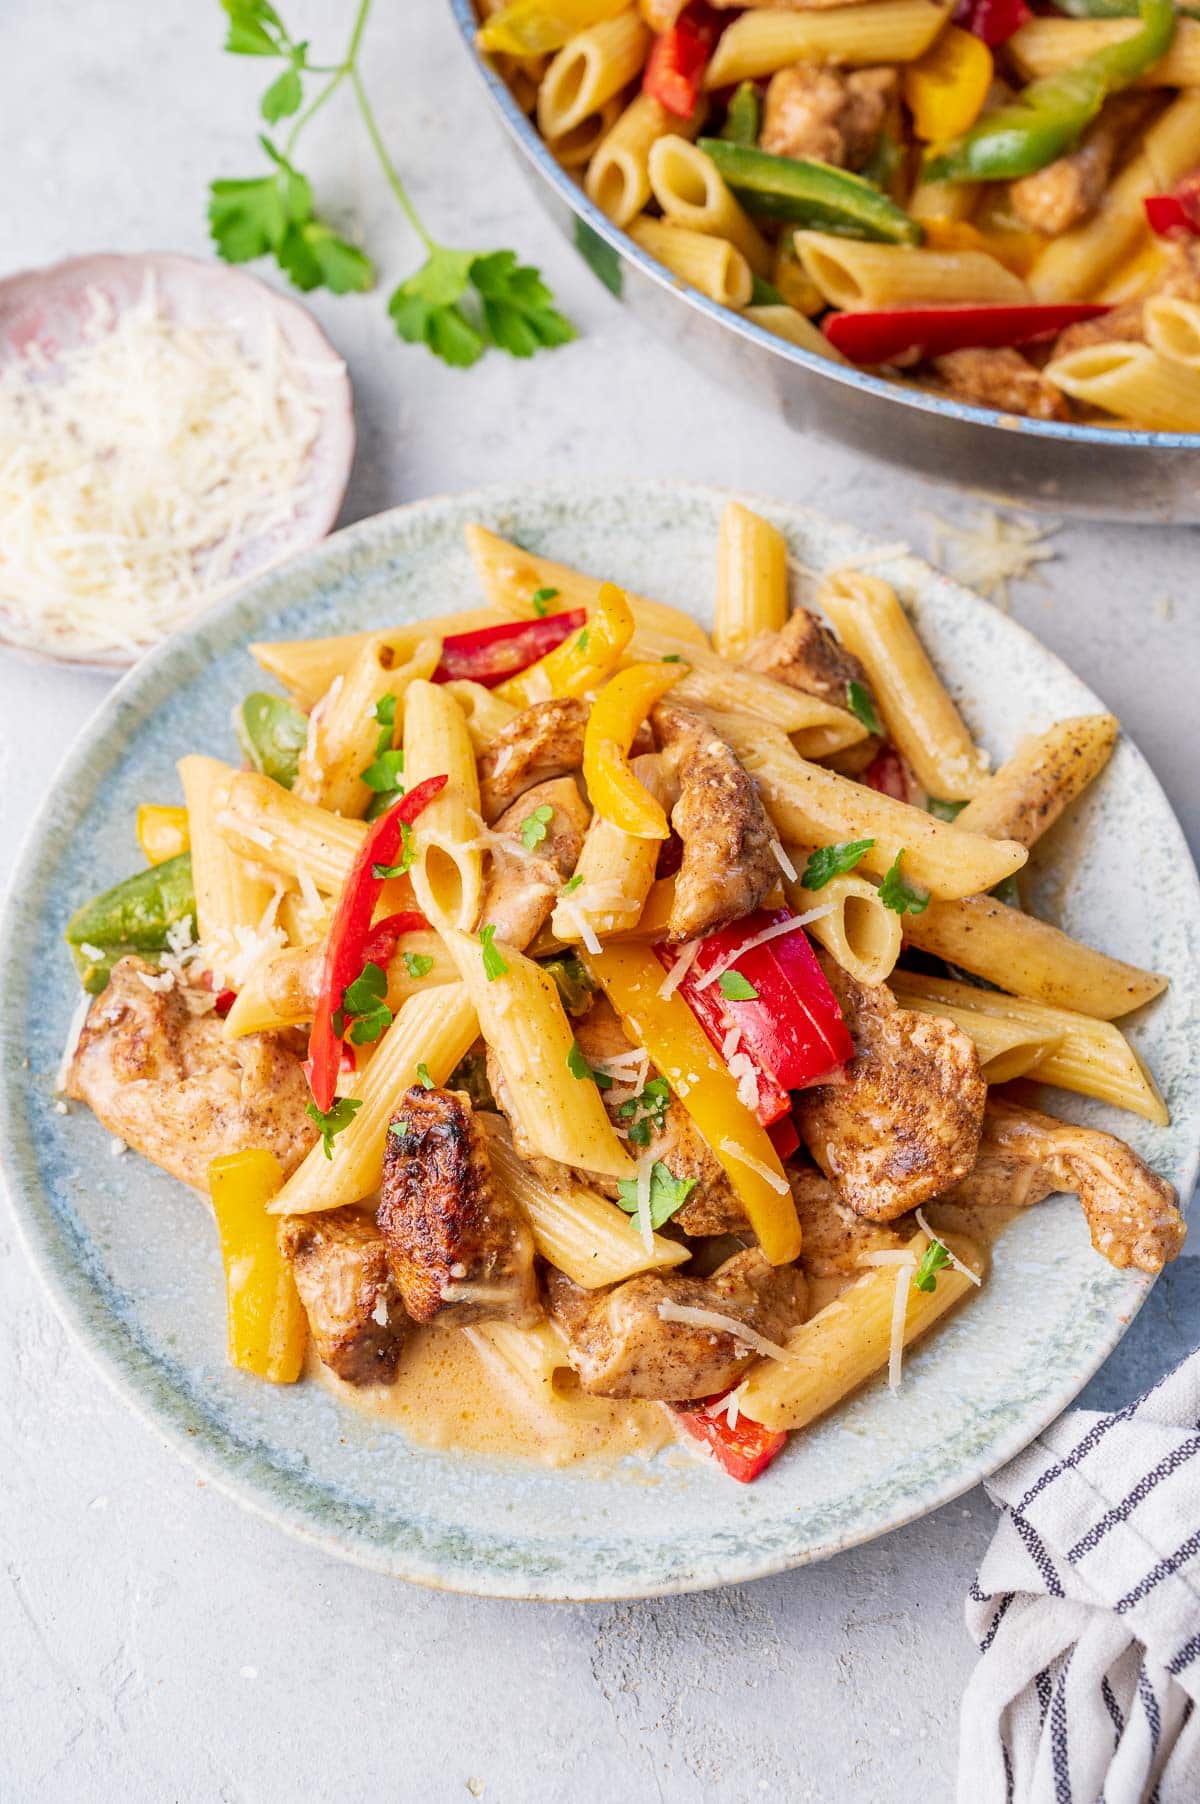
(131, 1259)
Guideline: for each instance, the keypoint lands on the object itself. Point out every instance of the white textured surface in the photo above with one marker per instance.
(157, 1642)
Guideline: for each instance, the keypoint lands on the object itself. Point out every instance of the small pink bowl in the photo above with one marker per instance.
(49, 308)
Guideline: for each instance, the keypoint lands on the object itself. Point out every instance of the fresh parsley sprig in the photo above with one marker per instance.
(828, 862)
(579, 1068)
(901, 897)
(332, 1121)
(646, 1112)
(458, 303)
(535, 827)
(860, 704)
(667, 1194)
(935, 1256)
(493, 961)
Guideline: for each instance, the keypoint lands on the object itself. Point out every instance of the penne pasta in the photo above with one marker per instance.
(281, 989)
(691, 192)
(263, 822)
(576, 148)
(786, 322)
(931, 201)
(879, 31)
(921, 720)
(854, 275)
(590, 69)
(447, 872)
(858, 931)
(1045, 774)
(1133, 382)
(718, 269)
(485, 712)
(1007, 1049)
(1050, 45)
(620, 175)
(344, 733)
(752, 579)
(232, 895)
(1173, 329)
(307, 667)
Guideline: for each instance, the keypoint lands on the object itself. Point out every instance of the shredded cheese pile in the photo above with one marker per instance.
(137, 467)
(995, 552)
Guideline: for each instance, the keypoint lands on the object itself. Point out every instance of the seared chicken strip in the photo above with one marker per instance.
(522, 884)
(355, 1315)
(805, 655)
(543, 741)
(170, 1085)
(904, 1124)
(1067, 191)
(458, 1249)
(1132, 1213)
(1003, 379)
(814, 111)
(728, 866)
(621, 1344)
(835, 1237)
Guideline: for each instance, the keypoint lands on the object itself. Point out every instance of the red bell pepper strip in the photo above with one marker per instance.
(881, 337)
(677, 61)
(350, 930)
(1178, 211)
(225, 1002)
(994, 21)
(380, 947)
(493, 653)
(886, 773)
(783, 1136)
(744, 1450)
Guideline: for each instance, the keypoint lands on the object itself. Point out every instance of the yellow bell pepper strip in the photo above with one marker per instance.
(162, 832)
(945, 89)
(1016, 248)
(267, 1326)
(665, 1026)
(534, 27)
(583, 660)
(617, 713)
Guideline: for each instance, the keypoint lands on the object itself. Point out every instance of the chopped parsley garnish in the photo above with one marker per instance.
(384, 775)
(541, 601)
(418, 964)
(899, 896)
(332, 1121)
(408, 852)
(571, 884)
(424, 1077)
(736, 988)
(399, 1128)
(493, 965)
(943, 811)
(667, 1194)
(858, 700)
(646, 1112)
(935, 1257)
(364, 1004)
(384, 712)
(581, 644)
(534, 827)
(579, 1068)
(575, 987)
(672, 657)
(828, 862)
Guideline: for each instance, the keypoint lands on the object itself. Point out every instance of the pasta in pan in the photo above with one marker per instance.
(592, 1040)
(902, 185)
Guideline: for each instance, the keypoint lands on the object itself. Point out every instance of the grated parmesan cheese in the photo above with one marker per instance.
(139, 467)
(233, 953)
(78, 1020)
(692, 1317)
(685, 958)
(899, 1310)
(993, 553)
(782, 860)
(773, 1178)
(579, 921)
(741, 1070)
(729, 1406)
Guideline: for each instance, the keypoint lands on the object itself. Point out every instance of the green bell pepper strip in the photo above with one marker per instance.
(765, 294)
(744, 116)
(809, 193)
(133, 916)
(1049, 115)
(1112, 9)
(272, 735)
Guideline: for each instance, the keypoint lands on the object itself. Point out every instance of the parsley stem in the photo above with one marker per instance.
(393, 180)
(337, 75)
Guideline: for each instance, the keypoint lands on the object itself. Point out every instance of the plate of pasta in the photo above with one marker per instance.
(986, 220)
(632, 1060)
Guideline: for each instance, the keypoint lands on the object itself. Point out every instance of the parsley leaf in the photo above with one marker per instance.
(672, 657)
(667, 1194)
(273, 214)
(943, 811)
(255, 29)
(581, 644)
(284, 95)
(384, 775)
(736, 988)
(425, 308)
(534, 826)
(518, 308)
(858, 700)
(579, 1068)
(571, 884)
(384, 712)
(418, 964)
(828, 862)
(332, 1121)
(493, 965)
(423, 1073)
(575, 987)
(408, 852)
(541, 601)
(364, 1002)
(646, 1112)
(399, 1128)
(935, 1257)
(899, 896)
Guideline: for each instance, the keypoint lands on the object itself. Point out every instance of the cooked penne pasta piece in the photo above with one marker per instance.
(307, 667)
(879, 31)
(447, 872)
(435, 1028)
(943, 200)
(521, 1017)
(1030, 958)
(1136, 275)
(849, 1341)
(814, 806)
(858, 931)
(344, 733)
(853, 275)
(620, 174)
(1007, 1049)
(692, 192)
(281, 989)
(576, 148)
(1051, 45)
(1091, 1057)
(921, 720)
(1133, 382)
(590, 69)
(485, 712)
(617, 869)
(232, 896)
(752, 579)
(786, 322)
(1045, 774)
(713, 265)
(577, 1230)
(262, 821)
(1173, 329)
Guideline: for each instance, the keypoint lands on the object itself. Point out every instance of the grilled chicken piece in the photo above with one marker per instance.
(835, 1238)
(815, 111)
(1068, 191)
(804, 654)
(1180, 278)
(457, 1248)
(355, 1315)
(1132, 1213)
(621, 1346)
(543, 741)
(170, 1085)
(904, 1124)
(522, 885)
(1000, 378)
(728, 866)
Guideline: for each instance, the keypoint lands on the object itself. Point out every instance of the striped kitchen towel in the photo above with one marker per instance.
(1087, 1613)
